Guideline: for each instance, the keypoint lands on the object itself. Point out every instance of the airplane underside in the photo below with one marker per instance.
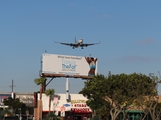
(77, 47)
(77, 44)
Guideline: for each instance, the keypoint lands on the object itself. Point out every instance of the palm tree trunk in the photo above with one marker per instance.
(40, 110)
(49, 103)
(40, 92)
(44, 87)
(40, 105)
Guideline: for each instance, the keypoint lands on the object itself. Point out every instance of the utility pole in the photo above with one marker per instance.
(67, 89)
(12, 93)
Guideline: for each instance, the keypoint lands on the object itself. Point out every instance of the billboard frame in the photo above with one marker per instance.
(55, 75)
(67, 76)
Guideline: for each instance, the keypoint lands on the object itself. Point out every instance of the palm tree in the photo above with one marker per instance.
(40, 81)
(50, 93)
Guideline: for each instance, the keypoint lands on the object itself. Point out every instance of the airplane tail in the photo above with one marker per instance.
(75, 40)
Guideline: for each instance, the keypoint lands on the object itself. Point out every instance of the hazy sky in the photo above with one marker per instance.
(129, 31)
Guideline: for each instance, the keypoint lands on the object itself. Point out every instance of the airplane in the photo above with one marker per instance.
(77, 44)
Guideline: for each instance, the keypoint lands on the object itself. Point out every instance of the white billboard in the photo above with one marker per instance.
(65, 65)
(28, 99)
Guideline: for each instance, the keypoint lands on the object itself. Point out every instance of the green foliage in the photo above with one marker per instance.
(40, 81)
(94, 90)
(52, 116)
(50, 92)
(119, 90)
(158, 107)
(13, 104)
(4, 111)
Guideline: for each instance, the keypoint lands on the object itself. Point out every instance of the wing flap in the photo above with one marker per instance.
(69, 44)
(86, 45)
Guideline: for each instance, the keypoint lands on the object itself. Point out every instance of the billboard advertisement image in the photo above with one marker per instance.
(76, 104)
(68, 66)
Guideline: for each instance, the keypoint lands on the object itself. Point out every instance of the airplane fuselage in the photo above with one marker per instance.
(79, 42)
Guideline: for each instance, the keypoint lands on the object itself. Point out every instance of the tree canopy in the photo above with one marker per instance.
(14, 104)
(116, 92)
(40, 81)
(50, 93)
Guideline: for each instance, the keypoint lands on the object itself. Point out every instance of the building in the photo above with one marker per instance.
(68, 106)
(26, 98)
(72, 107)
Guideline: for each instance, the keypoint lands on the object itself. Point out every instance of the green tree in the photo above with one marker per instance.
(158, 110)
(14, 104)
(94, 91)
(149, 102)
(49, 93)
(40, 81)
(118, 91)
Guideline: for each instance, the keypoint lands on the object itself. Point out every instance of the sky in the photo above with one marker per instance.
(129, 31)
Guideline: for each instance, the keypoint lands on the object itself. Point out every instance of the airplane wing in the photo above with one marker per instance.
(86, 45)
(69, 44)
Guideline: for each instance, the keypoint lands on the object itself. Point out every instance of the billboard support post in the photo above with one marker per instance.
(67, 89)
(50, 81)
